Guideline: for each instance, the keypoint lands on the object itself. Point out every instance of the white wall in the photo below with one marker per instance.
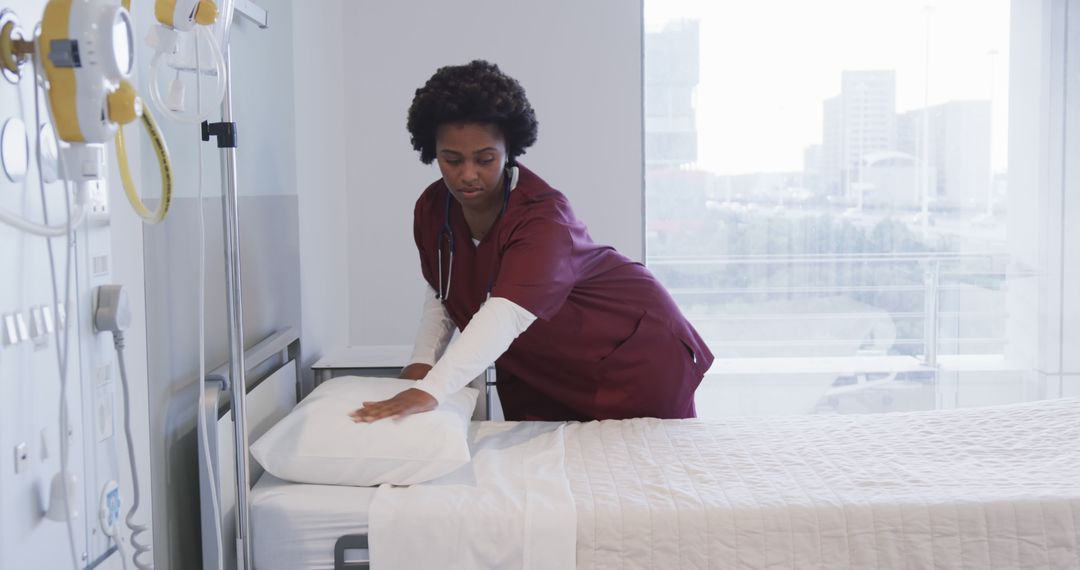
(580, 64)
(320, 177)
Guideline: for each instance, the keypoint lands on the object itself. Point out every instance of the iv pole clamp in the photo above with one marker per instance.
(225, 132)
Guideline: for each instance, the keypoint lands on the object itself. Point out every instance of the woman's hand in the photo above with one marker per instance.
(415, 371)
(411, 401)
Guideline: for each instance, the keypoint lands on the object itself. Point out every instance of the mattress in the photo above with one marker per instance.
(958, 489)
(294, 527)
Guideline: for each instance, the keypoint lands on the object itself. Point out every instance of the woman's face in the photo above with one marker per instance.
(471, 158)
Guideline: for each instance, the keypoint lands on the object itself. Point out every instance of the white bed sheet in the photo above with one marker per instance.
(295, 527)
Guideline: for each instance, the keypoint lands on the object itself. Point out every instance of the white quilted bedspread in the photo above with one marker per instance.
(960, 489)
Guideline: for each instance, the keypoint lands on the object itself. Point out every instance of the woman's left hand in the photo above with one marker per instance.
(411, 401)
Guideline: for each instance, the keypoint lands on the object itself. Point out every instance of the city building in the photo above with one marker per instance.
(671, 79)
(859, 121)
(959, 150)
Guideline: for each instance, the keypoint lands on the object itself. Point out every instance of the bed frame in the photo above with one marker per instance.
(351, 553)
(275, 385)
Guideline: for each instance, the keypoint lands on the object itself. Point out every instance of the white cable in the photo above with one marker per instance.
(65, 414)
(204, 440)
(199, 114)
(136, 529)
(47, 231)
(224, 21)
(44, 230)
(113, 531)
(62, 365)
(120, 548)
(61, 341)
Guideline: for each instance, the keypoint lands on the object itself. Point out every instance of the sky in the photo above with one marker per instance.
(767, 66)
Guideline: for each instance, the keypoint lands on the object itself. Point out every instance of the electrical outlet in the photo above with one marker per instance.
(112, 504)
(98, 200)
(109, 510)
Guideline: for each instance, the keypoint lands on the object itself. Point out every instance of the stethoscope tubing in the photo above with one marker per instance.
(443, 294)
(448, 232)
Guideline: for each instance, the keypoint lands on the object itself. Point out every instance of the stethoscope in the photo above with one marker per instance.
(448, 233)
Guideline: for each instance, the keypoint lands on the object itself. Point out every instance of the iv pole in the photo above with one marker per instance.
(225, 131)
(235, 309)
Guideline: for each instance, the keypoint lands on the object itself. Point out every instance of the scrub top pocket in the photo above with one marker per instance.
(651, 374)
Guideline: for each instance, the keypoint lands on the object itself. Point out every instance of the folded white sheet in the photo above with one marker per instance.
(510, 508)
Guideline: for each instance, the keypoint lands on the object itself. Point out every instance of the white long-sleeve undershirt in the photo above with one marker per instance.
(436, 328)
(490, 332)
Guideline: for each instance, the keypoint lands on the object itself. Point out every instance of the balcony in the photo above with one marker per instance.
(854, 332)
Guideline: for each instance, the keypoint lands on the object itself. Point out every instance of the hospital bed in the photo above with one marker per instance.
(976, 488)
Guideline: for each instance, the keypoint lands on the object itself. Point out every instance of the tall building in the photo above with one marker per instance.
(671, 79)
(959, 150)
(831, 164)
(811, 179)
(858, 122)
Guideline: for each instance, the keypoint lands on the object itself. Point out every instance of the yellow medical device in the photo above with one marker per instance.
(183, 15)
(85, 54)
(176, 18)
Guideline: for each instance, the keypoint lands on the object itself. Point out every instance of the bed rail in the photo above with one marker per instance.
(273, 362)
(284, 344)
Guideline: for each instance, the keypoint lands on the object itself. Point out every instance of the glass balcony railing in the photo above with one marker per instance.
(852, 332)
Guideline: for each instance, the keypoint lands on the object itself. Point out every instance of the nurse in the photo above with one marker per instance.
(577, 331)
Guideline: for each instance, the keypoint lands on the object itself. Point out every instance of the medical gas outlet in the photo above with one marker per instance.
(85, 55)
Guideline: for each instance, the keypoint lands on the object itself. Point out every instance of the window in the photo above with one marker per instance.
(829, 199)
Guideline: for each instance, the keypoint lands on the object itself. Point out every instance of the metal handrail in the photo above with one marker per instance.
(807, 289)
(842, 342)
(835, 316)
(820, 257)
(277, 343)
(935, 266)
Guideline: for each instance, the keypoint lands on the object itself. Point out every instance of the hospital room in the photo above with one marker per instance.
(575, 284)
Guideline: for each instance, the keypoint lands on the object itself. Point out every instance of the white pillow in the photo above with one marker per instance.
(319, 443)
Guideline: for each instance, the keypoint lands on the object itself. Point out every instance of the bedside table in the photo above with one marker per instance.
(379, 360)
(386, 361)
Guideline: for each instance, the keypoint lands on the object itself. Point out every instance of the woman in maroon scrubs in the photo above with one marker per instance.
(577, 330)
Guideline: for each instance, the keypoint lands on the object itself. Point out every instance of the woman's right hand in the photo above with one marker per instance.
(415, 371)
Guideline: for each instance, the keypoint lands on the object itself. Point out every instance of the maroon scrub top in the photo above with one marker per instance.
(609, 341)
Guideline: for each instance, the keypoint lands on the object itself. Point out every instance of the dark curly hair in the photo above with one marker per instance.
(477, 92)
